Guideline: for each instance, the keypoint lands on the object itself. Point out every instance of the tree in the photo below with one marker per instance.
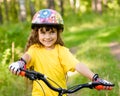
(75, 5)
(51, 4)
(32, 8)
(6, 10)
(13, 10)
(72, 4)
(97, 6)
(1, 16)
(61, 7)
(22, 14)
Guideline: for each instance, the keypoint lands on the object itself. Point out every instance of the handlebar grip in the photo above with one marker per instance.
(22, 73)
(101, 87)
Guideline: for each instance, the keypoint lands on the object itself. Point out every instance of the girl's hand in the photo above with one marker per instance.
(104, 82)
(15, 67)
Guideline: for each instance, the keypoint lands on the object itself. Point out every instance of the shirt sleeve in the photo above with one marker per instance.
(67, 59)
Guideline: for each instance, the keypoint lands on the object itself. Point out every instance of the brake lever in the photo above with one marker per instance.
(31, 76)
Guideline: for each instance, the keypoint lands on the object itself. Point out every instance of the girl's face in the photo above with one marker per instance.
(48, 37)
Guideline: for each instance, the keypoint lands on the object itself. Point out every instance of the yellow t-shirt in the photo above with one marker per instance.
(54, 64)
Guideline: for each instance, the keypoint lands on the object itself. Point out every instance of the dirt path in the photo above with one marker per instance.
(114, 46)
(115, 49)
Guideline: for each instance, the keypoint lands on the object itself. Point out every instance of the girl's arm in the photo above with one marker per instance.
(81, 68)
(26, 57)
(84, 70)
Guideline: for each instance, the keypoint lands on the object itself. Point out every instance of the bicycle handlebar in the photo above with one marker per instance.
(33, 75)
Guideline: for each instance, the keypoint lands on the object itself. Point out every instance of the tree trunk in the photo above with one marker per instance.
(77, 5)
(13, 10)
(62, 7)
(32, 8)
(51, 4)
(97, 6)
(22, 13)
(72, 4)
(1, 16)
(94, 5)
(6, 10)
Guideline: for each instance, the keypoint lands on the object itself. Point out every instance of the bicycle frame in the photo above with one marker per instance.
(32, 75)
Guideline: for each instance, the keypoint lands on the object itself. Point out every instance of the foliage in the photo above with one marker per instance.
(9, 83)
(11, 12)
(17, 34)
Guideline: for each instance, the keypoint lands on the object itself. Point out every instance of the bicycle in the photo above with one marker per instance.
(33, 75)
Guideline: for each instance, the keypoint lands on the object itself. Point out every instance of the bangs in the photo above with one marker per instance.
(47, 28)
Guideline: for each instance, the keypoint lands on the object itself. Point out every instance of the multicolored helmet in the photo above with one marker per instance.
(47, 17)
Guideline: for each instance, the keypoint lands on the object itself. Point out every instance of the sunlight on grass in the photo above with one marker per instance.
(96, 23)
(87, 25)
(90, 24)
(105, 34)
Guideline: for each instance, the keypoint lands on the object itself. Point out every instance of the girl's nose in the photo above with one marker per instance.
(47, 35)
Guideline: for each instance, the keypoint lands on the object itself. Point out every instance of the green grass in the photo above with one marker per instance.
(89, 33)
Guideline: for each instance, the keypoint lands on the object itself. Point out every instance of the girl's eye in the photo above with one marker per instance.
(52, 31)
(42, 32)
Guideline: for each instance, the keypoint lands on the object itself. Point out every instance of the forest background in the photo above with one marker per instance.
(92, 27)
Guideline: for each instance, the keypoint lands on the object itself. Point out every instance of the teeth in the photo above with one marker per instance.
(48, 41)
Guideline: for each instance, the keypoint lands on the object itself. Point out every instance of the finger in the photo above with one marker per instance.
(12, 69)
(107, 88)
(110, 88)
(15, 71)
(18, 72)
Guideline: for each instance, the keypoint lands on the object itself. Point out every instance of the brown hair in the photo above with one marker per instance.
(34, 38)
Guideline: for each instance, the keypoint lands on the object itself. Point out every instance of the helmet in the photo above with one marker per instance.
(47, 17)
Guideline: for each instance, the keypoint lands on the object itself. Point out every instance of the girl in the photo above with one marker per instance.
(46, 53)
